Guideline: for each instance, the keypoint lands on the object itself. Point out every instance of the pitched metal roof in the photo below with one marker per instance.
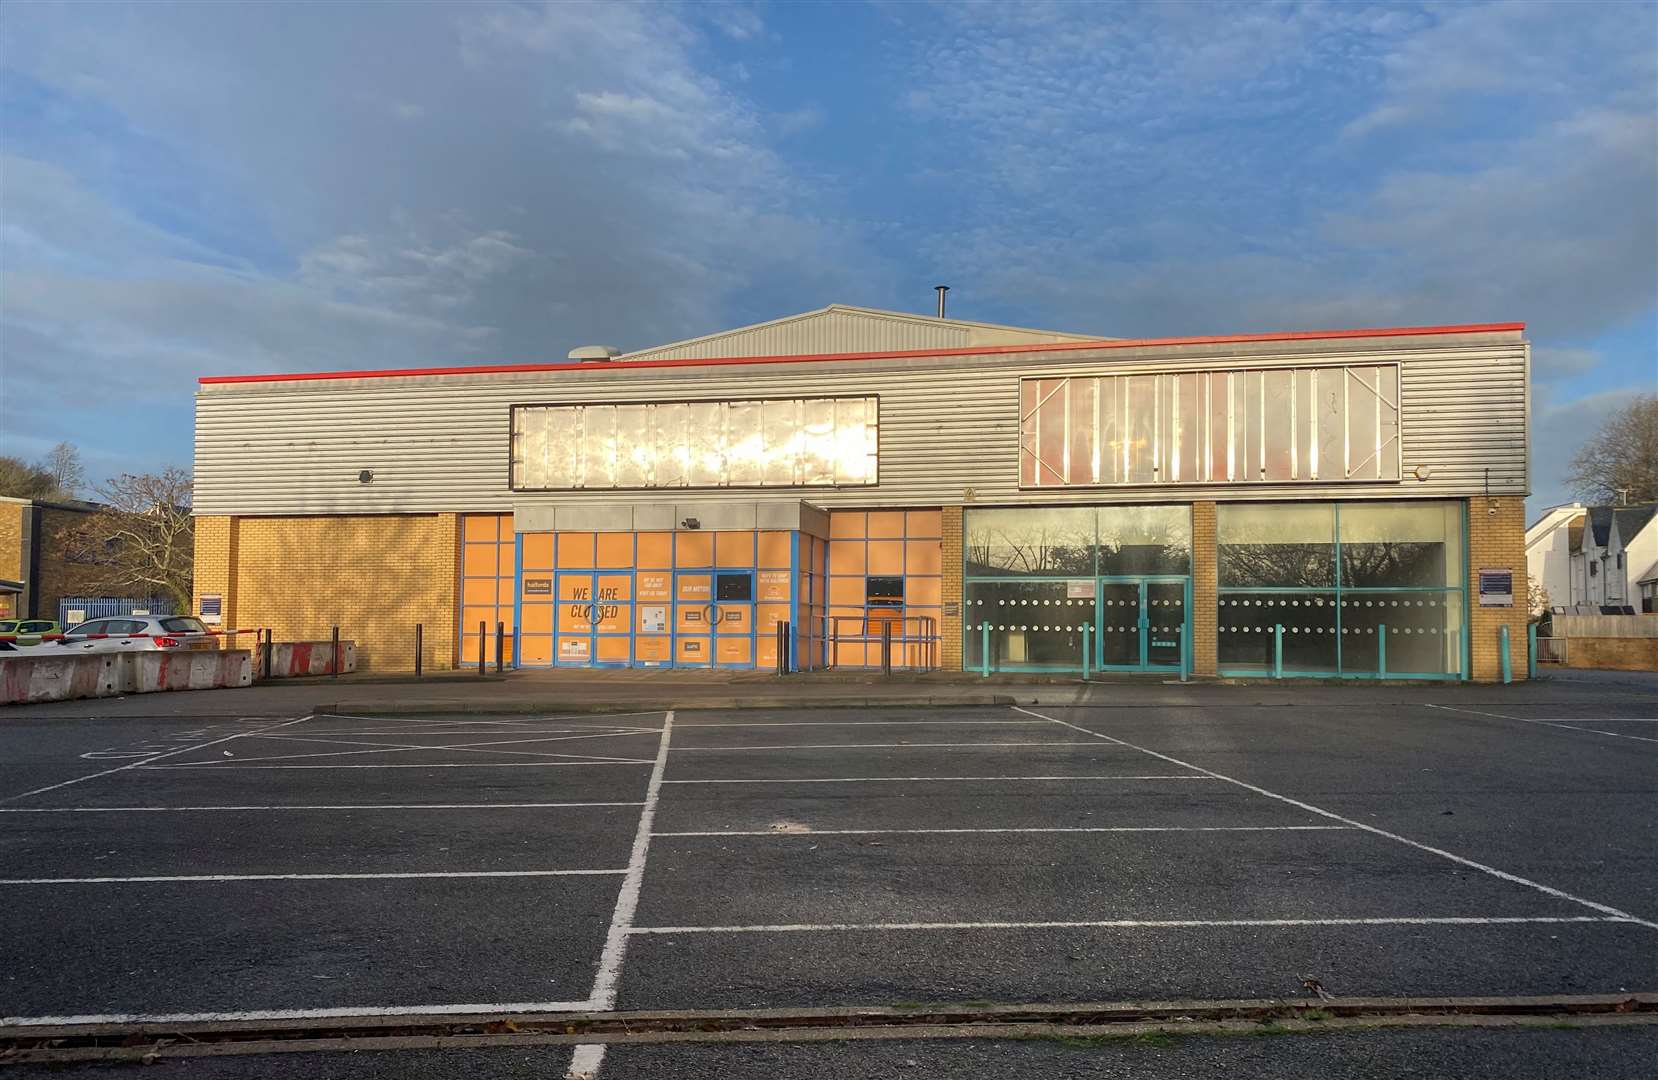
(843, 328)
(1600, 522)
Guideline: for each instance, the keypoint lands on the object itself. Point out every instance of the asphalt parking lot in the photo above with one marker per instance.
(312, 866)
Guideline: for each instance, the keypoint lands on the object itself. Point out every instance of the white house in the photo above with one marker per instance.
(1595, 555)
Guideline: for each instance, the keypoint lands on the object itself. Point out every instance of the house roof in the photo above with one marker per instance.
(1632, 519)
(1574, 536)
(843, 328)
(1600, 523)
(1553, 518)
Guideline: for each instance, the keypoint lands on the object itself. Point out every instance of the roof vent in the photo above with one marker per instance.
(595, 354)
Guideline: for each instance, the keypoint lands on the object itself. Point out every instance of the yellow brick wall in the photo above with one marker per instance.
(1497, 541)
(374, 577)
(11, 553)
(950, 625)
(215, 559)
(1205, 602)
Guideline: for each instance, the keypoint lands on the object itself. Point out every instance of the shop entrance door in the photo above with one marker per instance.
(595, 618)
(714, 618)
(1140, 623)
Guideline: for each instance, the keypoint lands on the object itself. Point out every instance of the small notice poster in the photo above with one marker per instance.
(212, 609)
(573, 648)
(1082, 589)
(653, 619)
(538, 586)
(1496, 588)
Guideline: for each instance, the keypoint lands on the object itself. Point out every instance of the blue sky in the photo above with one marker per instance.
(212, 189)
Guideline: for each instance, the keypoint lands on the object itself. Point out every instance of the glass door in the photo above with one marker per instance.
(1119, 626)
(1165, 621)
(1140, 623)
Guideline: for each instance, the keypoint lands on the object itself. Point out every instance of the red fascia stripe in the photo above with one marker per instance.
(906, 354)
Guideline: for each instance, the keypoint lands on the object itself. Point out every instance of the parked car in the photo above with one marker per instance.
(27, 631)
(139, 633)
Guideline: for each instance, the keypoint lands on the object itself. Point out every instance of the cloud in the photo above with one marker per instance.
(798, 120)
(1559, 361)
(1558, 429)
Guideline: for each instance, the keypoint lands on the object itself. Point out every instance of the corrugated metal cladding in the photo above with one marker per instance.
(840, 329)
(949, 427)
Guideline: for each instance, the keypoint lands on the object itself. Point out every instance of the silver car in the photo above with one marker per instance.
(137, 633)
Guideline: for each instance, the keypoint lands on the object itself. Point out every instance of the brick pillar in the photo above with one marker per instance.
(215, 565)
(443, 637)
(1205, 603)
(950, 625)
(1497, 541)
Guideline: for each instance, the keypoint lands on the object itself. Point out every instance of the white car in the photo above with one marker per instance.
(136, 633)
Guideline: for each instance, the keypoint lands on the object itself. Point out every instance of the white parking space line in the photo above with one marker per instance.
(1559, 894)
(921, 779)
(864, 723)
(588, 1057)
(330, 806)
(157, 757)
(154, 878)
(479, 1009)
(233, 767)
(1137, 924)
(870, 746)
(1589, 720)
(1563, 725)
(463, 717)
(796, 834)
(392, 748)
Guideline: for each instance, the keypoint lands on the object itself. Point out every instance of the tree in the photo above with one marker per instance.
(20, 480)
(143, 538)
(1619, 463)
(64, 464)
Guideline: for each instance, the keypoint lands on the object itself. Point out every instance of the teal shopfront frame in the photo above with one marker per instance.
(1340, 593)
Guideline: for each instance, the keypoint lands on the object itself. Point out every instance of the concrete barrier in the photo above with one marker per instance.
(29, 679)
(290, 659)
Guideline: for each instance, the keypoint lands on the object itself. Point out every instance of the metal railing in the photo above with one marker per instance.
(915, 643)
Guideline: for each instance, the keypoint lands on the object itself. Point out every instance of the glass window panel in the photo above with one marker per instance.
(781, 447)
(1306, 424)
(1111, 430)
(1277, 424)
(1282, 545)
(744, 444)
(1401, 545)
(1366, 441)
(673, 454)
(1082, 464)
(1217, 436)
(1140, 427)
(564, 445)
(1048, 430)
(1331, 419)
(1387, 465)
(636, 448)
(598, 446)
(1032, 623)
(1145, 540)
(1245, 638)
(704, 441)
(1030, 542)
(817, 441)
(1423, 632)
(1183, 439)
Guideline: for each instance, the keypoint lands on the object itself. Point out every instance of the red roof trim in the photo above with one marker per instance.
(985, 350)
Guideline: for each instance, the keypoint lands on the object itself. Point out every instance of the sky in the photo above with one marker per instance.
(225, 188)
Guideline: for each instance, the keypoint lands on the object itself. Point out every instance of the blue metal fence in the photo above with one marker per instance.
(104, 607)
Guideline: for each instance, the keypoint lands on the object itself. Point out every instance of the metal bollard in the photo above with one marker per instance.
(984, 652)
(1185, 655)
(1278, 651)
(782, 664)
(1381, 651)
(420, 652)
(1531, 650)
(886, 647)
(483, 643)
(334, 668)
(1502, 649)
(270, 651)
(500, 645)
(1085, 630)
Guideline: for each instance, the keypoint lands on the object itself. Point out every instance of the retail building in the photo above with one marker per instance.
(1333, 503)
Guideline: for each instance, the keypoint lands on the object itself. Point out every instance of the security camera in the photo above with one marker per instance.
(690, 523)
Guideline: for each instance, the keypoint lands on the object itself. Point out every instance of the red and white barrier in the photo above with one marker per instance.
(290, 659)
(28, 678)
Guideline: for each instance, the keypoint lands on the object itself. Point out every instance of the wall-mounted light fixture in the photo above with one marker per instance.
(690, 523)
(1422, 472)
(366, 476)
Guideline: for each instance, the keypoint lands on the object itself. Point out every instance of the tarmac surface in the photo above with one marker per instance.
(1192, 843)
